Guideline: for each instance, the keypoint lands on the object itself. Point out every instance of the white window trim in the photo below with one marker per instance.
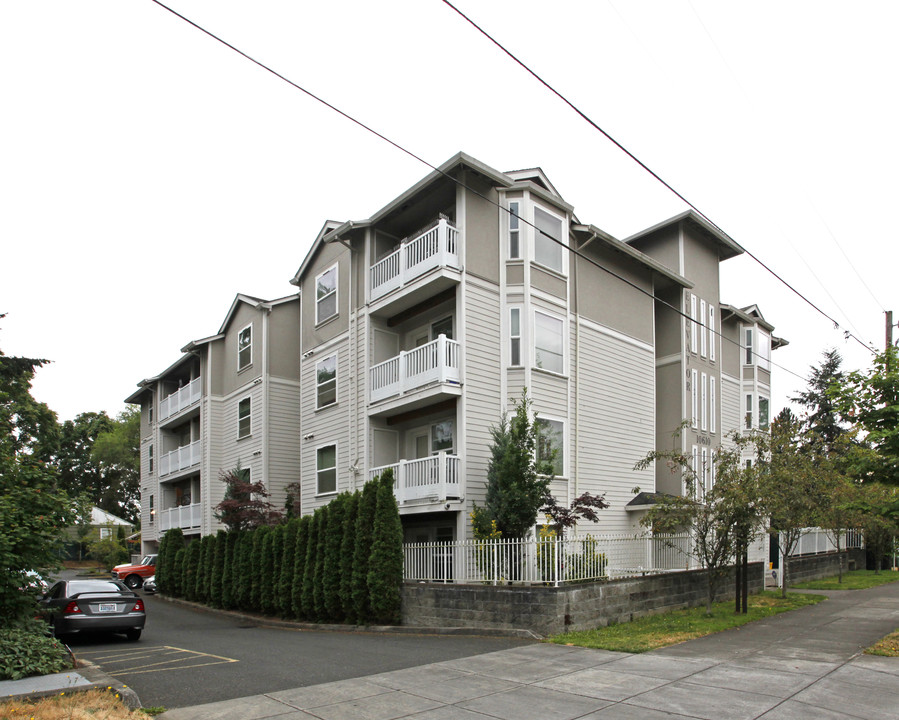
(564, 335)
(703, 343)
(748, 347)
(521, 359)
(748, 414)
(318, 300)
(536, 233)
(694, 399)
(768, 418)
(695, 467)
(249, 418)
(704, 411)
(318, 470)
(564, 439)
(713, 338)
(319, 385)
(713, 401)
(514, 227)
(693, 326)
(250, 347)
(704, 469)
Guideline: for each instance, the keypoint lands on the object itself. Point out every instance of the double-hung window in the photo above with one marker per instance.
(763, 413)
(702, 320)
(326, 382)
(514, 231)
(244, 418)
(549, 341)
(515, 336)
(326, 469)
(326, 295)
(548, 250)
(150, 450)
(550, 446)
(694, 398)
(749, 412)
(245, 348)
(694, 326)
(713, 338)
(704, 402)
(713, 409)
(748, 347)
(764, 350)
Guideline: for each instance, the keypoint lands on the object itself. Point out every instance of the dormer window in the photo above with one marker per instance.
(245, 348)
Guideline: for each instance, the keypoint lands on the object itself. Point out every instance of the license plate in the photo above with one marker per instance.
(107, 607)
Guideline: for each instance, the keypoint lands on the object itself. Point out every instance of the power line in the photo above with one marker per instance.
(633, 157)
(461, 184)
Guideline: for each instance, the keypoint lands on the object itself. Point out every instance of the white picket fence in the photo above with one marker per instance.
(549, 561)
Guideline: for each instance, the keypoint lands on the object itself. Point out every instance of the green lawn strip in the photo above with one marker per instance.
(852, 580)
(656, 631)
(887, 647)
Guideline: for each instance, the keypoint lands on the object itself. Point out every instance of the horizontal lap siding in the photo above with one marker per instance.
(483, 403)
(283, 438)
(329, 426)
(243, 451)
(617, 423)
(730, 408)
(213, 491)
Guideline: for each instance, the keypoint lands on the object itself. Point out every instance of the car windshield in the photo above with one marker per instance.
(148, 560)
(93, 586)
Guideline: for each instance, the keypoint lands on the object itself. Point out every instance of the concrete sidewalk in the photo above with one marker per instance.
(798, 665)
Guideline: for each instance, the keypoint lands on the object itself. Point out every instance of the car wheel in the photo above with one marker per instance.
(132, 635)
(133, 581)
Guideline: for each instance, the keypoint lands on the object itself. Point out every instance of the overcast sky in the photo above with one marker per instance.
(148, 173)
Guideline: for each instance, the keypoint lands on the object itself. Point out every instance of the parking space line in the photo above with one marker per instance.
(181, 658)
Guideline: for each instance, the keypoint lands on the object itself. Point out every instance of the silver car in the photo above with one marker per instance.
(76, 606)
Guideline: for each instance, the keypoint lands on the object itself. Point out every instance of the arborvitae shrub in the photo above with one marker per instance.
(365, 519)
(301, 543)
(161, 579)
(230, 570)
(347, 546)
(308, 595)
(271, 601)
(204, 584)
(318, 578)
(243, 564)
(266, 573)
(178, 572)
(257, 560)
(288, 560)
(189, 571)
(174, 541)
(385, 570)
(331, 568)
(218, 569)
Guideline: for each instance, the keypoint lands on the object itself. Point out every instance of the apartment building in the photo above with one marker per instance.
(416, 329)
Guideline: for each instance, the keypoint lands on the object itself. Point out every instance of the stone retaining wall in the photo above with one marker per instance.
(815, 567)
(548, 610)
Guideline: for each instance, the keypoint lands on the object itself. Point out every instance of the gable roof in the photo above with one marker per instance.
(728, 247)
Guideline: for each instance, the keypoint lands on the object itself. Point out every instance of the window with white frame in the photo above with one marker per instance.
(713, 337)
(702, 321)
(694, 399)
(244, 418)
(711, 469)
(443, 436)
(694, 466)
(550, 446)
(245, 348)
(150, 451)
(763, 351)
(763, 413)
(549, 342)
(326, 382)
(713, 405)
(704, 409)
(748, 347)
(704, 469)
(152, 510)
(748, 423)
(694, 327)
(326, 295)
(514, 231)
(548, 250)
(515, 336)
(326, 469)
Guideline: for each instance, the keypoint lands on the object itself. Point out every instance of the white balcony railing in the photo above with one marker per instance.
(435, 247)
(183, 458)
(435, 478)
(180, 399)
(184, 517)
(436, 362)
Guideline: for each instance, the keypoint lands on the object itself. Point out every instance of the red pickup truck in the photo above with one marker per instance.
(134, 575)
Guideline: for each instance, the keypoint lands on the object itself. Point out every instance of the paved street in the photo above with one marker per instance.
(191, 657)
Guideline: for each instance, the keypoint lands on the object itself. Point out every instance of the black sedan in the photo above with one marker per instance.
(75, 606)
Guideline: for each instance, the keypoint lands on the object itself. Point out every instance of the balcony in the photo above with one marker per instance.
(185, 457)
(434, 478)
(437, 247)
(185, 517)
(180, 399)
(436, 363)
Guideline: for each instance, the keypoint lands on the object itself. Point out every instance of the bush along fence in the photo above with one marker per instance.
(342, 564)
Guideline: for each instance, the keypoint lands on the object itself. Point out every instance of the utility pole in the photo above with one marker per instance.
(889, 334)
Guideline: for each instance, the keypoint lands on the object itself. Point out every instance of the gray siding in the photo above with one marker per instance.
(617, 422)
(283, 438)
(729, 401)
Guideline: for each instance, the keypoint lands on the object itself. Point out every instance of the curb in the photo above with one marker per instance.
(102, 681)
(95, 677)
(268, 621)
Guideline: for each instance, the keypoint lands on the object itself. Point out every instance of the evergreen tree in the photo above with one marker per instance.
(308, 594)
(320, 609)
(178, 571)
(301, 544)
(243, 555)
(365, 520)
(205, 589)
(190, 570)
(331, 567)
(271, 600)
(230, 571)
(218, 569)
(385, 571)
(347, 548)
(165, 565)
(823, 421)
(257, 565)
(288, 561)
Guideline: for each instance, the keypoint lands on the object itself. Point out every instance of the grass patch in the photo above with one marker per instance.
(89, 705)
(888, 647)
(852, 580)
(656, 631)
